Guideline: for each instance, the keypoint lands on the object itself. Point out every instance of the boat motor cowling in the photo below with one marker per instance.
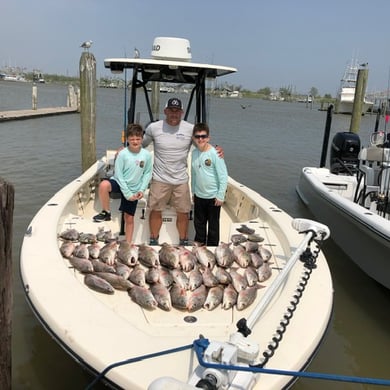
(344, 153)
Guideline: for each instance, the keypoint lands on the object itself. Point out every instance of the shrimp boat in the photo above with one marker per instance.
(352, 198)
(132, 341)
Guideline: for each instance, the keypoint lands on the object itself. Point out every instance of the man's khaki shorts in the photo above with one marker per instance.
(178, 196)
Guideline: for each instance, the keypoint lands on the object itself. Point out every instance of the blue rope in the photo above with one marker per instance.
(201, 344)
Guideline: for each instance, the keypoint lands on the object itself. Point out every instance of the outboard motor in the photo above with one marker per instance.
(344, 153)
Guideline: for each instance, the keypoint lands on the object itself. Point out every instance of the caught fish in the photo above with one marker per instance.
(222, 275)
(209, 279)
(143, 297)
(115, 280)
(246, 297)
(67, 248)
(229, 298)
(99, 266)
(98, 284)
(104, 235)
(152, 275)
(180, 278)
(127, 253)
(224, 255)
(162, 296)
(179, 297)
(148, 256)
(214, 298)
(264, 253)
(251, 276)
(187, 259)
(239, 281)
(81, 250)
(255, 238)
(195, 279)
(87, 238)
(250, 246)
(264, 272)
(82, 264)
(108, 253)
(165, 277)
(205, 257)
(70, 235)
(237, 239)
(197, 298)
(242, 257)
(256, 259)
(169, 256)
(122, 270)
(137, 276)
(245, 229)
(94, 250)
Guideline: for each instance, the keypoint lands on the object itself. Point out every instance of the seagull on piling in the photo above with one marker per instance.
(86, 45)
(136, 53)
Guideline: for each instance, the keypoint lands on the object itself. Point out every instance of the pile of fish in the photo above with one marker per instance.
(171, 276)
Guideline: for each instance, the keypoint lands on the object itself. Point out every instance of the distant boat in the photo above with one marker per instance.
(346, 93)
(13, 78)
(231, 94)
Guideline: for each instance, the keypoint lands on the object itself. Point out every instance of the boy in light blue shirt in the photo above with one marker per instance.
(208, 185)
(133, 171)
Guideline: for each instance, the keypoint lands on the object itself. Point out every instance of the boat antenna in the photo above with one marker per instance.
(386, 107)
(125, 108)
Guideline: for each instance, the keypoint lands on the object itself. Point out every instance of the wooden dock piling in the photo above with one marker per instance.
(360, 91)
(6, 297)
(88, 109)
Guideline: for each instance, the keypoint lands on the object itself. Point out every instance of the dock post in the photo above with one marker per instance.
(325, 141)
(34, 97)
(88, 109)
(6, 297)
(360, 91)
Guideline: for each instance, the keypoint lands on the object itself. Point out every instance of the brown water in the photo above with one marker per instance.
(266, 145)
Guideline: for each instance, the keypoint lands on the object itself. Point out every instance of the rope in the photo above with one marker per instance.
(200, 346)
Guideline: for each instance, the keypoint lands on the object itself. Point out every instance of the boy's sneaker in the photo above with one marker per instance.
(153, 241)
(184, 242)
(102, 216)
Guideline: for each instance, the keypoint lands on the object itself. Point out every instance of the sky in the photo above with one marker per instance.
(273, 43)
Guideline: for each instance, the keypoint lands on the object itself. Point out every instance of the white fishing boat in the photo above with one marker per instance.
(346, 93)
(264, 344)
(352, 198)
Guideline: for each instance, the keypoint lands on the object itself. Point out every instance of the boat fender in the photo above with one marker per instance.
(168, 383)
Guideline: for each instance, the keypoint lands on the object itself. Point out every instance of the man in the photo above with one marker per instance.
(172, 138)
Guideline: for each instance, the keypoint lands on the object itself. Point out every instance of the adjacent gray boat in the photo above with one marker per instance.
(352, 198)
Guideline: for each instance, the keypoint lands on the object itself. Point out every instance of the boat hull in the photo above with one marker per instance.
(99, 330)
(360, 233)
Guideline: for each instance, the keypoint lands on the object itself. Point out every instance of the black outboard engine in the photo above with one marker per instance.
(344, 153)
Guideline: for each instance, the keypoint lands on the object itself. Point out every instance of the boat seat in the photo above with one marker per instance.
(371, 153)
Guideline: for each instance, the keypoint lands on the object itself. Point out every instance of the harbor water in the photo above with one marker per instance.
(266, 144)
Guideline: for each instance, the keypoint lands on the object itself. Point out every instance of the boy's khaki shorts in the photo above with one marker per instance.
(176, 195)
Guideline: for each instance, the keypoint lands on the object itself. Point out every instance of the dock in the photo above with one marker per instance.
(40, 112)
